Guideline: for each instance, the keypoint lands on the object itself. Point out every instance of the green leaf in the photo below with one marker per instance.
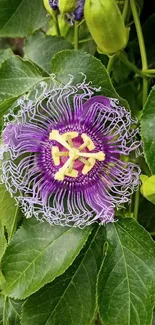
(148, 130)
(47, 46)
(5, 54)
(38, 253)
(10, 214)
(71, 298)
(146, 215)
(120, 71)
(3, 242)
(19, 18)
(78, 64)
(10, 311)
(153, 322)
(16, 77)
(126, 285)
(1, 309)
(128, 90)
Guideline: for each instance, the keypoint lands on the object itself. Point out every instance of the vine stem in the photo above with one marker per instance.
(141, 46)
(76, 36)
(145, 80)
(125, 10)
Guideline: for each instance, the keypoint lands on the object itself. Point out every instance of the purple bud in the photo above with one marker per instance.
(53, 4)
(79, 11)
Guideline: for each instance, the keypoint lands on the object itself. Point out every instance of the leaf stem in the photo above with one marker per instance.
(86, 40)
(130, 65)
(149, 71)
(76, 36)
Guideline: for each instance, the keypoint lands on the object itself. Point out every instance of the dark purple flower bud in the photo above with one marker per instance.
(53, 4)
(79, 11)
(62, 155)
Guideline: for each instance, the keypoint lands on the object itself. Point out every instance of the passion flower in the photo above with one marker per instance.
(63, 155)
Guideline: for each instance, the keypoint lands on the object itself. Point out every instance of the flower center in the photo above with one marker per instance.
(87, 158)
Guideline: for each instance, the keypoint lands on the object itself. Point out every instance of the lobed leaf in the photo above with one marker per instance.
(10, 213)
(16, 78)
(79, 65)
(47, 46)
(71, 298)
(19, 18)
(37, 254)
(3, 242)
(5, 54)
(10, 311)
(126, 285)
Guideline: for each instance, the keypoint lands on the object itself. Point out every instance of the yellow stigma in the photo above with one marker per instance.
(73, 154)
(87, 142)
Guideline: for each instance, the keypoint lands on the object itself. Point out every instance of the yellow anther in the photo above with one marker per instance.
(55, 155)
(87, 142)
(86, 169)
(63, 154)
(54, 135)
(96, 155)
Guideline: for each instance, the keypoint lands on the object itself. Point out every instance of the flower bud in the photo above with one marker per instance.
(66, 6)
(106, 25)
(51, 7)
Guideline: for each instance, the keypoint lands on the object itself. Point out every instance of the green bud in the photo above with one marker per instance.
(52, 12)
(148, 187)
(106, 25)
(67, 6)
(66, 30)
(64, 27)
